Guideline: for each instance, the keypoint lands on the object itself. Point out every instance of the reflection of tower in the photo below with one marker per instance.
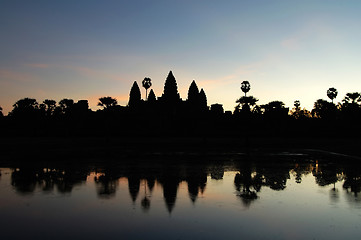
(170, 188)
(196, 183)
(134, 185)
(145, 201)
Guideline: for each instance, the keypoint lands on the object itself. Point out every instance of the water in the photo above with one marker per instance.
(269, 197)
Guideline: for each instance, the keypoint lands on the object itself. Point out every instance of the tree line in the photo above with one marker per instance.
(170, 115)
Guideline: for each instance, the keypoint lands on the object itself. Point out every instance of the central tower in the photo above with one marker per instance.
(170, 93)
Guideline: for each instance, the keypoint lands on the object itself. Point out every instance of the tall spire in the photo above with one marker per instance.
(170, 89)
(193, 93)
(134, 95)
(203, 99)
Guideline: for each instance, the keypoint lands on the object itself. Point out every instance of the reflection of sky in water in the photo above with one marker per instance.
(300, 211)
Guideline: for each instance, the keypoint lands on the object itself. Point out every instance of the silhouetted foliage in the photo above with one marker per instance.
(26, 107)
(66, 105)
(352, 98)
(147, 83)
(324, 110)
(299, 113)
(332, 93)
(169, 115)
(275, 109)
(245, 87)
(50, 106)
(246, 103)
(107, 102)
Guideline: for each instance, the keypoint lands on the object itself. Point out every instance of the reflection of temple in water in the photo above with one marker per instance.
(250, 178)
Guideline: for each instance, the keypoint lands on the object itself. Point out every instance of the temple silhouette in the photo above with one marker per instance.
(168, 115)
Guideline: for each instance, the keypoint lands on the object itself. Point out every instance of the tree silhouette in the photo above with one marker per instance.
(246, 102)
(107, 102)
(147, 83)
(297, 104)
(50, 106)
(332, 93)
(245, 87)
(134, 95)
(323, 109)
(66, 105)
(25, 107)
(354, 97)
(297, 113)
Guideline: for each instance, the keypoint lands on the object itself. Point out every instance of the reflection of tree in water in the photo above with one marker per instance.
(106, 185)
(248, 182)
(26, 179)
(300, 170)
(275, 176)
(327, 173)
(217, 172)
(352, 183)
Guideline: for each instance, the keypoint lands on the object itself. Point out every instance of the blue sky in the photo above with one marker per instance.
(287, 50)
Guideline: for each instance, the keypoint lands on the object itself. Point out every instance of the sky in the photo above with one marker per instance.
(87, 49)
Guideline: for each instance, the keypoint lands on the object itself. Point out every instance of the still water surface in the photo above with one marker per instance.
(278, 197)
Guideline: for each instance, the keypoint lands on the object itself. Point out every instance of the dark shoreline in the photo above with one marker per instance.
(57, 148)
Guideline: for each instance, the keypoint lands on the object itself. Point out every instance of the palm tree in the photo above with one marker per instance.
(245, 86)
(332, 93)
(147, 83)
(297, 104)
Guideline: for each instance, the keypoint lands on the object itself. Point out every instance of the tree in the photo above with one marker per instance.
(107, 102)
(50, 106)
(352, 98)
(351, 109)
(323, 109)
(332, 93)
(25, 107)
(297, 104)
(275, 109)
(147, 83)
(66, 105)
(250, 101)
(245, 87)
(134, 95)
(299, 113)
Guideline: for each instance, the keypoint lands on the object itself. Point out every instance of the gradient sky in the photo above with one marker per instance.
(87, 49)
